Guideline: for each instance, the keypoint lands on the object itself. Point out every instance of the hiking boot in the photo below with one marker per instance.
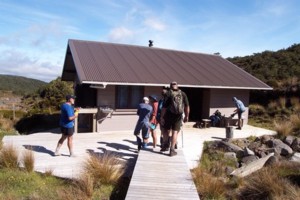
(139, 147)
(173, 152)
(163, 149)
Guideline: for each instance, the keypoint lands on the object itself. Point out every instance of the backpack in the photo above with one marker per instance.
(176, 106)
(160, 105)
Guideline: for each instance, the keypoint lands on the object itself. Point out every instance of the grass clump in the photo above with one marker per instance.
(9, 157)
(104, 169)
(265, 184)
(283, 128)
(208, 186)
(28, 160)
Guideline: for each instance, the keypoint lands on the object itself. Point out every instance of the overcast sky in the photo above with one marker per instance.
(34, 33)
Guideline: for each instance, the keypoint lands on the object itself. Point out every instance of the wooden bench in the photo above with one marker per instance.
(206, 123)
(232, 121)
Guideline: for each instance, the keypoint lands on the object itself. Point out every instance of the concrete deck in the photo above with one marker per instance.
(120, 142)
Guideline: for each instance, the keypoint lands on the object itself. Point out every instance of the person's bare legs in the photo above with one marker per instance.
(59, 144)
(153, 133)
(174, 139)
(70, 144)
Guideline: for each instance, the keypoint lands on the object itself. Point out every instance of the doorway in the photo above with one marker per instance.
(195, 96)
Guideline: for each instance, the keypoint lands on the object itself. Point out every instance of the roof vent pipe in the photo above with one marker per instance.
(150, 43)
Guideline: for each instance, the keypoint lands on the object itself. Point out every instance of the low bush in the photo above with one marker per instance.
(256, 110)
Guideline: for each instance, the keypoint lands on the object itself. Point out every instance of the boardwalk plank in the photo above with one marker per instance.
(158, 176)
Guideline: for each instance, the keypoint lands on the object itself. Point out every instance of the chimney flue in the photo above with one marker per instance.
(150, 43)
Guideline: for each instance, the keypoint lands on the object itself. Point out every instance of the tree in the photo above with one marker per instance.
(48, 98)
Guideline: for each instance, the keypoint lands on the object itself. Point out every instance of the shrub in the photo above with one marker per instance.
(273, 106)
(9, 157)
(256, 109)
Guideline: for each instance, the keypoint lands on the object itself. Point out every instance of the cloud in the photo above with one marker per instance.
(120, 34)
(155, 24)
(18, 63)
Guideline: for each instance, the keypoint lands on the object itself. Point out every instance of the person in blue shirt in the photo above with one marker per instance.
(240, 108)
(144, 112)
(66, 123)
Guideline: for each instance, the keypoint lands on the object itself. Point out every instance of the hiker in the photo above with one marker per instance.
(240, 108)
(144, 111)
(176, 104)
(153, 120)
(66, 123)
(164, 135)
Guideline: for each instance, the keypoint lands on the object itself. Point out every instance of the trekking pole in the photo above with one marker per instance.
(182, 136)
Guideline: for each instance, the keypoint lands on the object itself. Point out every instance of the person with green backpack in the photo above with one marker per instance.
(176, 104)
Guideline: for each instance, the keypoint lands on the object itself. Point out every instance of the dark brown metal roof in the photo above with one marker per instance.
(118, 64)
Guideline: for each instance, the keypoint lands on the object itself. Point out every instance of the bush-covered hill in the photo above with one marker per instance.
(280, 69)
(19, 85)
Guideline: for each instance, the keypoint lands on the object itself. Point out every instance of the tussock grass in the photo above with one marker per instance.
(9, 157)
(28, 160)
(86, 184)
(48, 172)
(103, 169)
(282, 102)
(295, 104)
(295, 120)
(265, 184)
(283, 128)
(208, 186)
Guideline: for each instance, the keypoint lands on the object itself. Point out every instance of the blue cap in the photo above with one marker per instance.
(69, 96)
(153, 97)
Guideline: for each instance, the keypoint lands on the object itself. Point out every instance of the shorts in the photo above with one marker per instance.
(240, 114)
(67, 131)
(172, 121)
(141, 126)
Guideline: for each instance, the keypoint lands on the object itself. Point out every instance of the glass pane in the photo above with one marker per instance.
(136, 96)
(122, 97)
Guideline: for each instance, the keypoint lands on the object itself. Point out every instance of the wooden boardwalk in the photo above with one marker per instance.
(159, 176)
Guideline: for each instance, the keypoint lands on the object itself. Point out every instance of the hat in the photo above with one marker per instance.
(69, 96)
(153, 97)
(173, 83)
(166, 88)
(145, 99)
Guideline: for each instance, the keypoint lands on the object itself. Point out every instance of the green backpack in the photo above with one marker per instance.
(176, 106)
